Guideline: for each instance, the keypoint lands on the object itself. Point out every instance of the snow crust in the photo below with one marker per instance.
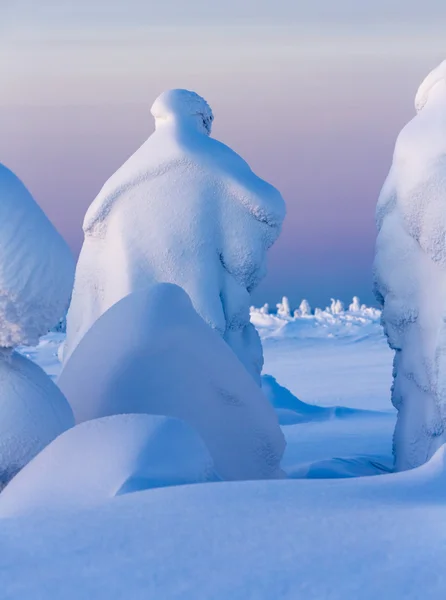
(36, 267)
(410, 275)
(103, 458)
(33, 412)
(152, 353)
(184, 209)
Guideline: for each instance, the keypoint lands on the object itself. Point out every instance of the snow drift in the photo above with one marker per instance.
(410, 275)
(184, 209)
(152, 353)
(36, 267)
(33, 412)
(106, 457)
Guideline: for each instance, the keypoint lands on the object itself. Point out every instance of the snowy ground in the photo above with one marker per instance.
(334, 538)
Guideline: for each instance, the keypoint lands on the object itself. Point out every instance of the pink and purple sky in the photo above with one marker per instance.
(311, 93)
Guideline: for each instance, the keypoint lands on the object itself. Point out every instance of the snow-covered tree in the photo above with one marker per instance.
(184, 209)
(410, 275)
(283, 308)
(36, 267)
(36, 277)
(304, 309)
(355, 306)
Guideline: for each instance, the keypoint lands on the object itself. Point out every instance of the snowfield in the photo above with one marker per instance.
(327, 532)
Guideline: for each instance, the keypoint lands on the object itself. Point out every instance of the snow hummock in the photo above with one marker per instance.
(184, 209)
(36, 267)
(152, 353)
(33, 412)
(103, 458)
(410, 275)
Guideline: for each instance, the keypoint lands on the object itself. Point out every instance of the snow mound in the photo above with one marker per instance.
(184, 209)
(106, 457)
(368, 538)
(152, 353)
(354, 323)
(410, 275)
(33, 412)
(36, 267)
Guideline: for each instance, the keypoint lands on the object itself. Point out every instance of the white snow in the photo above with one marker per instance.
(32, 412)
(36, 267)
(152, 353)
(100, 459)
(347, 536)
(410, 274)
(184, 209)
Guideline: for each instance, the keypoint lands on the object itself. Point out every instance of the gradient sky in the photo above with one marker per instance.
(311, 93)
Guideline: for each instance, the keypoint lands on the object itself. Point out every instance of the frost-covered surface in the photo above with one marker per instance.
(36, 267)
(184, 209)
(368, 538)
(103, 458)
(152, 353)
(33, 412)
(410, 273)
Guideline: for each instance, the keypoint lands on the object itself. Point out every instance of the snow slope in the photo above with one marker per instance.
(378, 537)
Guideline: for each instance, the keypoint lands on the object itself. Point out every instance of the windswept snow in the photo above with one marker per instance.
(36, 267)
(184, 209)
(103, 458)
(410, 275)
(152, 353)
(375, 537)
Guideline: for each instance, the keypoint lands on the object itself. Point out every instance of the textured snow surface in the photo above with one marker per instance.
(377, 537)
(410, 274)
(36, 267)
(33, 412)
(152, 353)
(184, 209)
(342, 537)
(106, 457)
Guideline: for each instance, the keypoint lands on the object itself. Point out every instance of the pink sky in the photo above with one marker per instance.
(314, 112)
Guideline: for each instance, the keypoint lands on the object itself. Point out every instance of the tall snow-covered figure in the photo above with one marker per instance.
(184, 209)
(410, 275)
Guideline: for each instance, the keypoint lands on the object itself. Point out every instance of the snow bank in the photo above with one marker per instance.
(184, 209)
(106, 457)
(36, 267)
(152, 353)
(410, 275)
(332, 322)
(368, 538)
(32, 412)
(290, 410)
